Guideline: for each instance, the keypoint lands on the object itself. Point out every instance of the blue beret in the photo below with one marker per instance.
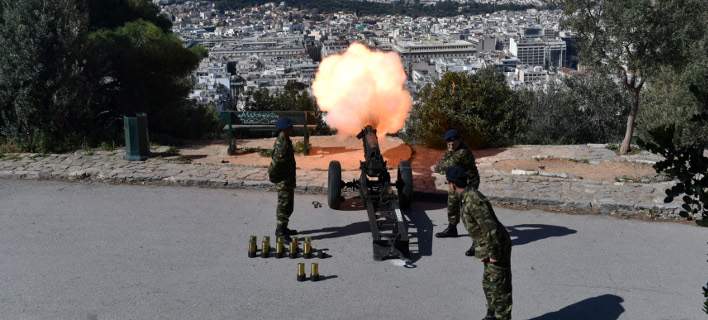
(284, 123)
(457, 175)
(451, 135)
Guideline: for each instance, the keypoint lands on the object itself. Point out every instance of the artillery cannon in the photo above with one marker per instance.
(388, 226)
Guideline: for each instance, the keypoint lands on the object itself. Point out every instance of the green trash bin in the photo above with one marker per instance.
(137, 146)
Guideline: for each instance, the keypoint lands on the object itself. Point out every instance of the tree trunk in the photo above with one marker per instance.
(630, 123)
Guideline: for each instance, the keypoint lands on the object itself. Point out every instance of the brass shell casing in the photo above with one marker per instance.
(314, 272)
(301, 272)
(252, 247)
(265, 252)
(307, 250)
(293, 248)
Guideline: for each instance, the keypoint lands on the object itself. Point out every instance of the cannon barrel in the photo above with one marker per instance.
(373, 164)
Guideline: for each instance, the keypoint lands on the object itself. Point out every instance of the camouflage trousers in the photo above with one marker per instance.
(286, 199)
(453, 207)
(496, 283)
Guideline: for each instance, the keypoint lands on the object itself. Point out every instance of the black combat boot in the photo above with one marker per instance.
(470, 251)
(283, 231)
(449, 232)
(290, 232)
(490, 314)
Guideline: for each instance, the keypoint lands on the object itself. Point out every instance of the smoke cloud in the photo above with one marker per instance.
(362, 87)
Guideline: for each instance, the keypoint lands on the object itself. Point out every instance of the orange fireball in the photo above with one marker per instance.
(362, 87)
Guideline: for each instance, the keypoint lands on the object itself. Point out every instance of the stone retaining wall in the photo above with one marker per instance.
(637, 200)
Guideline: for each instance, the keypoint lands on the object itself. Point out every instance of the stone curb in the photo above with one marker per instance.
(546, 192)
(573, 207)
(514, 202)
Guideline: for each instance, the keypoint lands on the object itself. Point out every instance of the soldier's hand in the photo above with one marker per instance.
(489, 260)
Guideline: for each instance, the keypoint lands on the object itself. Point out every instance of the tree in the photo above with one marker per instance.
(40, 72)
(632, 39)
(70, 69)
(140, 68)
(486, 111)
(581, 109)
(684, 157)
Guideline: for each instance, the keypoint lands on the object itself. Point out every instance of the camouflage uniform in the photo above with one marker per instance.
(282, 173)
(462, 157)
(492, 241)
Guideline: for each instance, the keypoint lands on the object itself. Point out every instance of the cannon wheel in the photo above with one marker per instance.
(405, 184)
(334, 185)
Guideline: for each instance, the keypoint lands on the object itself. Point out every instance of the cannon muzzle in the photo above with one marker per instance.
(373, 164)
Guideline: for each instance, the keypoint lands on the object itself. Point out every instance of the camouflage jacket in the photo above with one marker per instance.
(282, 165)
(490, 236)
(462, 157)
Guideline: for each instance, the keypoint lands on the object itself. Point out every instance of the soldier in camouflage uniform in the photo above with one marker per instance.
(458, 154)
(493, 244)
(282, 173)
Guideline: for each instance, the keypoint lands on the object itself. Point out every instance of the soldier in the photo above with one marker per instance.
(493, 243)
(457, 154)
(282, 173)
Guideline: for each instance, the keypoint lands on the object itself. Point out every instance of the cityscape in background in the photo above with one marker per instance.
(269, 45)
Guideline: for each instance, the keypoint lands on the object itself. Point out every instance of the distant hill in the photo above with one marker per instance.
(441, 9)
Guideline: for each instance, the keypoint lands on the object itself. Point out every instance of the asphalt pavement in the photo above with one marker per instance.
(103, 252)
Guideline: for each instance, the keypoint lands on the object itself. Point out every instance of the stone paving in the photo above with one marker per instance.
(625, 199)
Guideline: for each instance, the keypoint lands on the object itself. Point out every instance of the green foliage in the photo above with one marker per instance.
(41, 104)
(441, 9)
(105, 146)
(110, 14)
(685, 163)
(670, 102)
(681, 137)
(684, 157)
(9, 147)
(200, 51)
(71, 69)
(482, 107)
(299, 147)
(145, 70)
(265, 152)
(581, 109)
(705, 295)
(633, 39)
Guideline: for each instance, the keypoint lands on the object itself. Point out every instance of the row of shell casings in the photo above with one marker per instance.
(294, 248)
(314, 272)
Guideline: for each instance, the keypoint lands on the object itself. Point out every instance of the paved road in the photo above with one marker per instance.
(74, 251)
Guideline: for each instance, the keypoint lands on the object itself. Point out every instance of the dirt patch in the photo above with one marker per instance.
(347, 150)
(603, 171)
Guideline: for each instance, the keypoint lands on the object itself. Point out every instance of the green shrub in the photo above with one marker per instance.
(668, 101)
(581, 109)
(682, 143)
(70, 70)
(481, 106)
(266, 152)
(705, 295)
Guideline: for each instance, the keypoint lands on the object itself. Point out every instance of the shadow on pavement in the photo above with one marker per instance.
(524, 233)
(430, 201)
(423, 237)
(337, 232)
(604, 307)
(323, 278)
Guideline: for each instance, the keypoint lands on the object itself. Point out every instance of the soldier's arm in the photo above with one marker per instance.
(442, 165)
(488, 227)
(473, 172)
(278, 156)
